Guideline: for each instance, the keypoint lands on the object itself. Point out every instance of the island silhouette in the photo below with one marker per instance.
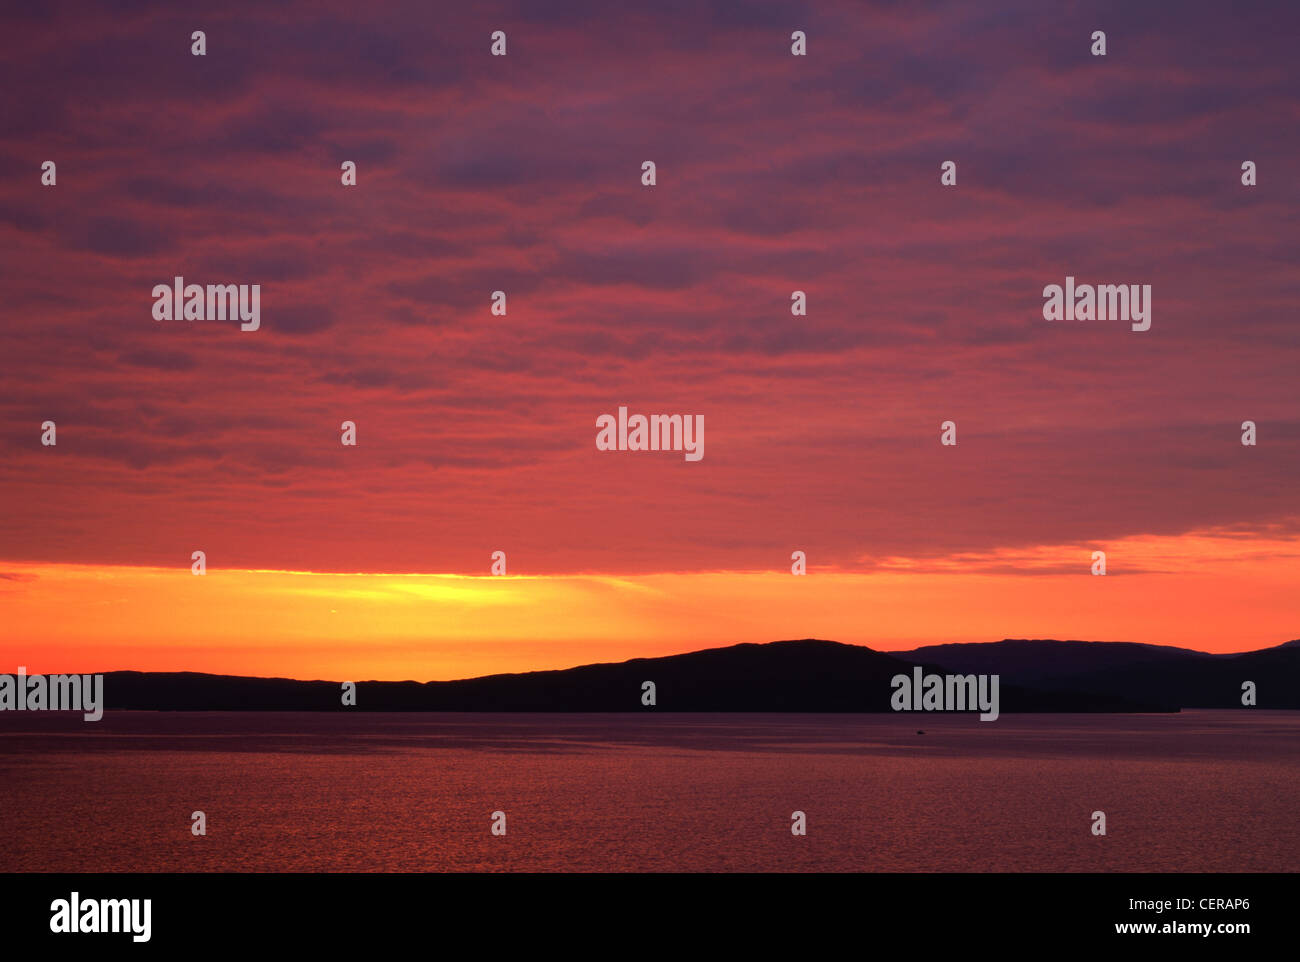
(807, 675)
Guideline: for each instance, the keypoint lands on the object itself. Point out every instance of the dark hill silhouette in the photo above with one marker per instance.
(1189, 679)
(1046, 661)
(784, 676)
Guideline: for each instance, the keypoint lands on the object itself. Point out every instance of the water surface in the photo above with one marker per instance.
(1196, 791)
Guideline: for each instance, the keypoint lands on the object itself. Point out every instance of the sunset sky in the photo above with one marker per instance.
(476, 433)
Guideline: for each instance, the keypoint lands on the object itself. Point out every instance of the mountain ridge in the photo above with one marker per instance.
(800, 675)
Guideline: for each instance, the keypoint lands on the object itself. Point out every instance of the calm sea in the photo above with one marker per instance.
(1200, 791)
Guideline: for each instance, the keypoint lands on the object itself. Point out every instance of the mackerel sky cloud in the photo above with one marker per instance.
(522, 174)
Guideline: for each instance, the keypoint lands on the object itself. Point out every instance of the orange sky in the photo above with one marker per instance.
(1215, 592)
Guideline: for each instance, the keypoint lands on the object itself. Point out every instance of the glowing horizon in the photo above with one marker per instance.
(1196, 591)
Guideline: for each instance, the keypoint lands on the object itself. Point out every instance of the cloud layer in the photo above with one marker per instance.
(775, 173)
